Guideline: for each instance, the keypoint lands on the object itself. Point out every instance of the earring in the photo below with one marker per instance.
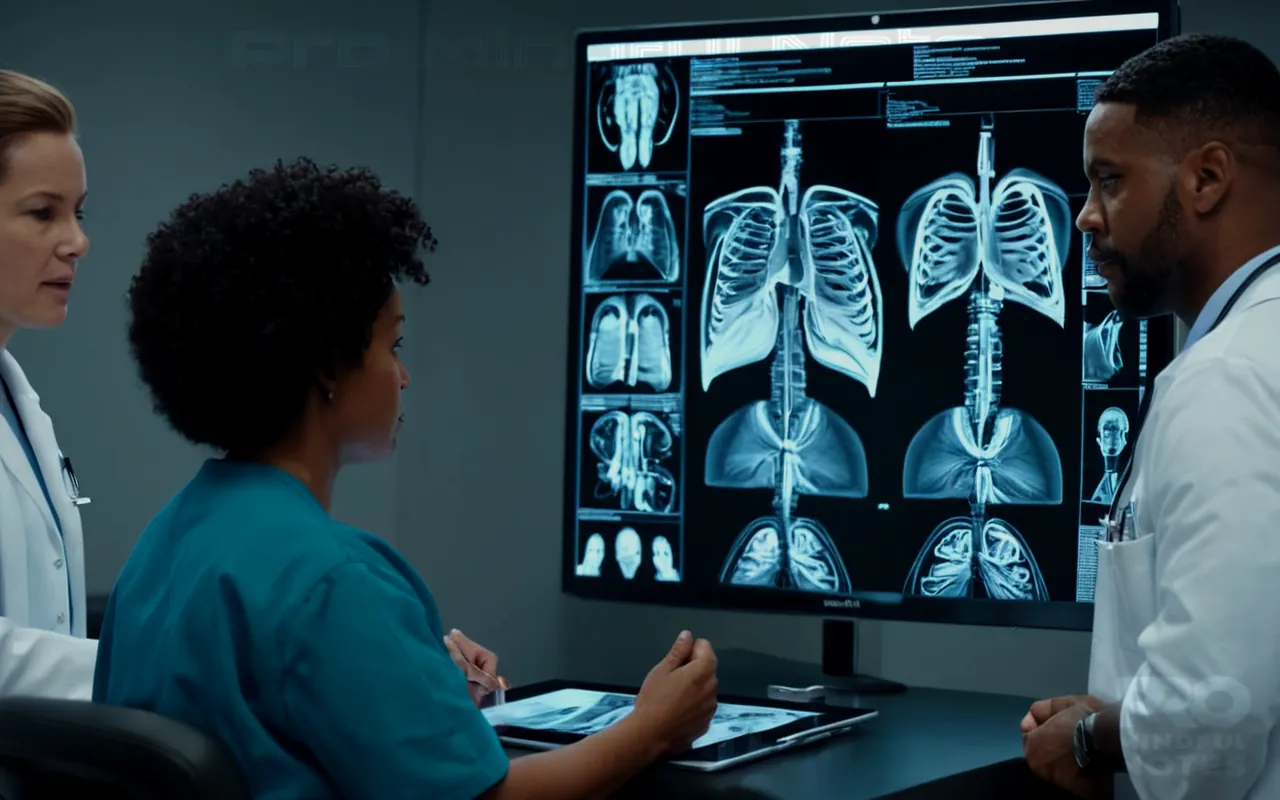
(330, 397)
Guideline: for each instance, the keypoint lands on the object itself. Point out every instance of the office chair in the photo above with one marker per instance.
(73, 748)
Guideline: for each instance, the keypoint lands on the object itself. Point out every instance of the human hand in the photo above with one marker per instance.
(1049, 751)
(478, 664)
(678, 697)
(1044, 710)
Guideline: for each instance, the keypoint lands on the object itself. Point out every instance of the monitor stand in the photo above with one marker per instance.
(839, 668)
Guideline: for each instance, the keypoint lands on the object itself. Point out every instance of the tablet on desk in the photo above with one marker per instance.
(552, 714)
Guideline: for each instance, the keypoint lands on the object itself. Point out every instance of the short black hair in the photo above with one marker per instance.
(248, 295)
(1201, 79)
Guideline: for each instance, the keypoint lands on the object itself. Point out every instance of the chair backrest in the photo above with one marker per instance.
(75, 748)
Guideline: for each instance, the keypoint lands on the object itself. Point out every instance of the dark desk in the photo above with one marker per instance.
(921, 736)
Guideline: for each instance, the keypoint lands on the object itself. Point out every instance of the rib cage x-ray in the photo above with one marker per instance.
(630, 342)
(1013, 240)
(1113, 435)
(770, 250)
(631, 448)
(634, 230)
(637, 111)
(593, 558)
(1102, 358)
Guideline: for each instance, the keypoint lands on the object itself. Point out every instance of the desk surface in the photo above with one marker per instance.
(920, 735)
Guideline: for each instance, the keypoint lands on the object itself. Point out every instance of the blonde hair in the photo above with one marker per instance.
(29, 105)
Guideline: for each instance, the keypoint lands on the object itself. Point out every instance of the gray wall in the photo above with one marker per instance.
(178, 97)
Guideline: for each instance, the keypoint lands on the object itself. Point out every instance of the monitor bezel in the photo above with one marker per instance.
(1054, 615)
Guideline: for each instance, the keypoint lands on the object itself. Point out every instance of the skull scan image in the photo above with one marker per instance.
(630, 343)
(664, 561)
(636, 111)
(1102, 358)
(1006, 242)
(593, 558)
(1113, 435)
(788, 270)
(633, 231)
(631, 448)
(627, 552)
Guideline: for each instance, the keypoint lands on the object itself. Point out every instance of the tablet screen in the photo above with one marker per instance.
(581, 711)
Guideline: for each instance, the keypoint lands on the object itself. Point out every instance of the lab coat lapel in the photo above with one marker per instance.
(39, 428)
(15, 458)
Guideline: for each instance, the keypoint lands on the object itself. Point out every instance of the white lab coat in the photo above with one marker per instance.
(1186, 624)
(43, 649)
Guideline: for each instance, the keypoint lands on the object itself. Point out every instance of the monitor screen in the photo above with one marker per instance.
(837, 346)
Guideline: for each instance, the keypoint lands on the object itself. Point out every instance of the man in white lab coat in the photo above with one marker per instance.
(1182, 151)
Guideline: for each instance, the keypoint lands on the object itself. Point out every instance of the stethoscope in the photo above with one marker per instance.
(71, 483)
(1115, 522)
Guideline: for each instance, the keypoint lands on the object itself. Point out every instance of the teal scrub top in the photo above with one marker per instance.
(312, 649)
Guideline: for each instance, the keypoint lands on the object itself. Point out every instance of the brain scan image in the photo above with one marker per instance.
(634, 453)
(790, 276)
(1113, 435)
(664, 561)
(593, 558)
(635, 236)
(629, 344)
(636, 112)
(996, 242)
(627, 551)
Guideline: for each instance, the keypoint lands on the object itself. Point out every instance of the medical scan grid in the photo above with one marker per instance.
(846, 260)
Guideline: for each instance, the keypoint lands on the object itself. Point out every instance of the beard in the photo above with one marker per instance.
(1147, 283)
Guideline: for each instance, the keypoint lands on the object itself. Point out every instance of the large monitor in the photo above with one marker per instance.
(836, 345)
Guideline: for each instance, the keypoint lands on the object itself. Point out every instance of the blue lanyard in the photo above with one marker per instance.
(1145, 405)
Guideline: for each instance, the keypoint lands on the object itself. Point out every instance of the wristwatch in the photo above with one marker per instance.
(1082, 742)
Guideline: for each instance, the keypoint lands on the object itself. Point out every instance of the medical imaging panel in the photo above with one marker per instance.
(989, 242)
(639, 116)
(635, 452)
(634, 232)
(1112, 353)
(633, 342)
(630, 549)
(789, 277)
(1109, 415)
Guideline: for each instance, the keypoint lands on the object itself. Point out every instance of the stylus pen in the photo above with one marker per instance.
(500, 693)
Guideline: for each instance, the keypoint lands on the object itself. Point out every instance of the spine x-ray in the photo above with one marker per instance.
(631, 447)
(1000, 242)
(636, 111)
(629, 342)
(634, 230)
(784, 270)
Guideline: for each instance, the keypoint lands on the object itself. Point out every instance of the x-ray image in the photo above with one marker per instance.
(664, 561)
(1091, 279)
(585, 712)
(628, 551)
(1112, 350)
(790, 274)
(636, 456)
(592, 557)
(634, 233)
(629, 339)
(1087, 561)
(996, 241)
(639, 116)
(1109, 415)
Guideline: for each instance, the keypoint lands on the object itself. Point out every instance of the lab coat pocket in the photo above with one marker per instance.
(1124, 605)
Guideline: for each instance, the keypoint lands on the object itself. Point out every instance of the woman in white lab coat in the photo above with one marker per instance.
(1183, 156)
(43, 648)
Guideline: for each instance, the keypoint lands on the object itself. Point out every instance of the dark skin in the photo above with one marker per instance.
(1173, 211)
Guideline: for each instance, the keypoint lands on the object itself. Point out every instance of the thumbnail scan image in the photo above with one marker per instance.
(993, 243)
(788, 269)
(629, 342)
(636, 111)
(633, 450)
(635, 227)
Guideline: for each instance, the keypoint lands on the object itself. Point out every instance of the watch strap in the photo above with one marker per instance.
(1082, 742)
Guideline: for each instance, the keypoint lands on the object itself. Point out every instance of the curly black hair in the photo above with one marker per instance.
(1200, 79)
(248, 295)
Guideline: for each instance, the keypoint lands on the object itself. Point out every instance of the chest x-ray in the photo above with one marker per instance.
(1113, 435)
(634, 229)
(636, 111)
(997, 242)
(631, 448)
(586, 712)
(784, 270)
(629, 342)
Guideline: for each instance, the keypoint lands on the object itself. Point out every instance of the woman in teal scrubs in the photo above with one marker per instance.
(266, 322)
